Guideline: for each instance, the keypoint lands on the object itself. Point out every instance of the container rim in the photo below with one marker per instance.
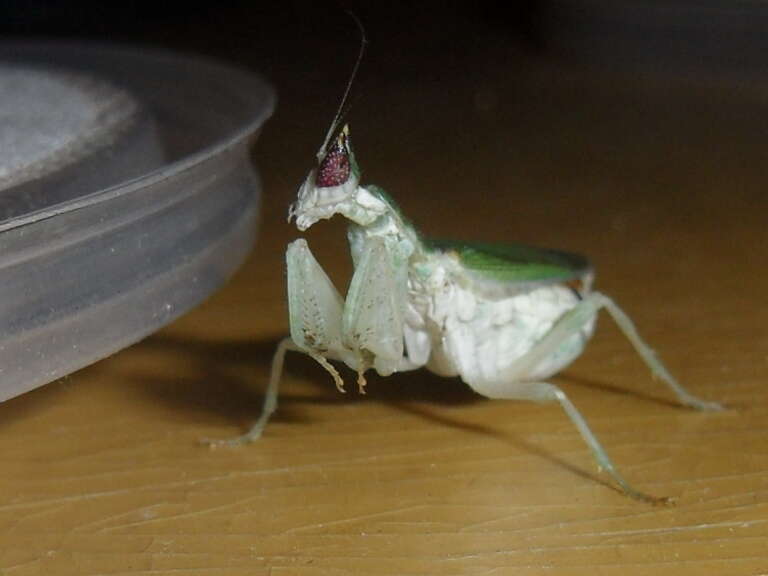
(14, 52)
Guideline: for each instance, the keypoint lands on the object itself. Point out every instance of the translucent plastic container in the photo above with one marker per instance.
(117, 222)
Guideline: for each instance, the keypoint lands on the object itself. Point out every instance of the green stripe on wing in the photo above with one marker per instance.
(513, 263)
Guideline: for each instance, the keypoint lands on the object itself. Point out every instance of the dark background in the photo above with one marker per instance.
(702, 33)
(463, 85)
(276, 34)
(307, 49)
(299, 43)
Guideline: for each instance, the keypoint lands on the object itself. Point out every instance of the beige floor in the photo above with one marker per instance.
(663, 184)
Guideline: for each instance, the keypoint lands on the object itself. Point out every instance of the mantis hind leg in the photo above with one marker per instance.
(544, 392)
(513, 383)
(645, 352)
(571, 324)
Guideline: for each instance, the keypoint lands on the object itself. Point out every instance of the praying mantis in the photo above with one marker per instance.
(503, 318)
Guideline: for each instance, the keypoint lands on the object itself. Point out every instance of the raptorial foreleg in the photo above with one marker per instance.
(372, 323)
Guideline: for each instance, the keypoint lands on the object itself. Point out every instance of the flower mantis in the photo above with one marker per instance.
(503, 318)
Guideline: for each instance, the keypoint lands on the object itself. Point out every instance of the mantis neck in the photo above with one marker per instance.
(389, 225)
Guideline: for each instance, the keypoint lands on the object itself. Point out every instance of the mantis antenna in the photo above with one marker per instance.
(340, 111)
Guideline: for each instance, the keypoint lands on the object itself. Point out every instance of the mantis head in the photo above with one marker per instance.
(333, 188)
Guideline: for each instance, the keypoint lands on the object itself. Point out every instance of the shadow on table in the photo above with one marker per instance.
(230, 377)
(225, 388)
(232, 374)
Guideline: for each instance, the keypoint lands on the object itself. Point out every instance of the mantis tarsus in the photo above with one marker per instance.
(503, 318)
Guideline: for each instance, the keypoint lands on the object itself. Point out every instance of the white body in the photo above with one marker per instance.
(409, 306)
(456, 325)
(457, 331)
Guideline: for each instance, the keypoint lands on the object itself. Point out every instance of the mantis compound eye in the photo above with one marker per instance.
(335, 168)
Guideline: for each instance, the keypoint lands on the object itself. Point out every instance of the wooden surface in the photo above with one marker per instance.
(661, 182)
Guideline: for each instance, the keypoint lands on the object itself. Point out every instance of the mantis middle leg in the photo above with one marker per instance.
(270, 398)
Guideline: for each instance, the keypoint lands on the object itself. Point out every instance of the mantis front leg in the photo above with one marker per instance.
(365, 332)
(372, 325)
(315, 309)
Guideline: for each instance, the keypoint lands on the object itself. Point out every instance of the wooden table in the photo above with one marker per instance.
(660, 181)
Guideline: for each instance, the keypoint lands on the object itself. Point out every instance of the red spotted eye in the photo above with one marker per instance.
(334, 169)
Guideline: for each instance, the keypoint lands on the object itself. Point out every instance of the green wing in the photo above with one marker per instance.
(515, 263)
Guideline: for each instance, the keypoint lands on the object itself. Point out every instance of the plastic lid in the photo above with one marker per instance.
(126, 197)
